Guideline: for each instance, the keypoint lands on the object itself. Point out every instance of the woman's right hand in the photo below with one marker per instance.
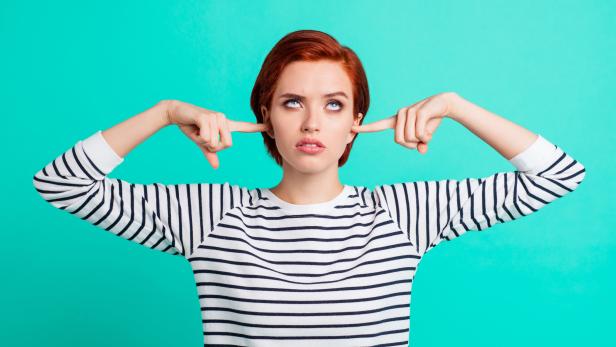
(202, 126)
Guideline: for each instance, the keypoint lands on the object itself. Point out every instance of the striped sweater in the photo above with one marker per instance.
(272, 273)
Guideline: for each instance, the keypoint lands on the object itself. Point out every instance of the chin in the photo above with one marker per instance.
(308, 165)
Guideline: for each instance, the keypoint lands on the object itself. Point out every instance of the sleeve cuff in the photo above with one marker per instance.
(538, 153)
(101, 153)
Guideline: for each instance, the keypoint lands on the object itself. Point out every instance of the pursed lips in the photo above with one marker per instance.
(310, 143)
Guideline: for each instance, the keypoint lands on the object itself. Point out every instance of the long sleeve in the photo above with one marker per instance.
(172, 218)
(429, 212)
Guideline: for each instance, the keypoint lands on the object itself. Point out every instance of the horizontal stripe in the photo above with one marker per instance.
(270, 273)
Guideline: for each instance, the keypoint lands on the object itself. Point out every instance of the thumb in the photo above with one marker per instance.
(422, 148)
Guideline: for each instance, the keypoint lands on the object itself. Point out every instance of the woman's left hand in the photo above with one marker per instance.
(415, 124)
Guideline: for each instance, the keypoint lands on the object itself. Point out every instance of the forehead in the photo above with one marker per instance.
(315, 77)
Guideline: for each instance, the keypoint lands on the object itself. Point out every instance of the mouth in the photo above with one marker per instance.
(311, 143)
(310, 149)
(310, 146)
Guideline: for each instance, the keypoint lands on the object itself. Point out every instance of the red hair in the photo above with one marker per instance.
(307, 45)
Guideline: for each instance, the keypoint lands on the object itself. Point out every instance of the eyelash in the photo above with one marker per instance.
(335, 101)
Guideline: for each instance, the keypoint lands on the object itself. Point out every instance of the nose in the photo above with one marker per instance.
(311, 123)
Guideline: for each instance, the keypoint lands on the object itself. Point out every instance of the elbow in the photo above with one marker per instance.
(36, 183)
(39, 185)
(580, 175)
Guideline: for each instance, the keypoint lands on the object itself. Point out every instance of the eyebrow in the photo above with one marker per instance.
(292, 95)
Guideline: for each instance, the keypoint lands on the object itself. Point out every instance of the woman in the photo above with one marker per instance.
(310, 261)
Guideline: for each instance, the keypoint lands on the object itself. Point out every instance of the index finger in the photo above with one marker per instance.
(246, 127)
(387, 123)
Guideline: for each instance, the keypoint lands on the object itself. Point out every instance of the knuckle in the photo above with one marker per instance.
(409, 112)
(203, 117)
(213, 126)
(407, 133)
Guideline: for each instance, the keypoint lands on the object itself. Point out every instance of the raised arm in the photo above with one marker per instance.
(172, 218)
(432, 211)
(429, 212)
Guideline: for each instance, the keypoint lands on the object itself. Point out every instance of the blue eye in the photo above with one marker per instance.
(286, 102)
(340, 105)
(336, 102)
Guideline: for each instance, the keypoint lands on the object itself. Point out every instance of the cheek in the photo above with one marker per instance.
(337, 140)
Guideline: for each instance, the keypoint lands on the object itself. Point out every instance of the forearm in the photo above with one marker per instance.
(125, 136)
(506, 137)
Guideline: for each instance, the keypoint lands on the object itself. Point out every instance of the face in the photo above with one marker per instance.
(301, 107)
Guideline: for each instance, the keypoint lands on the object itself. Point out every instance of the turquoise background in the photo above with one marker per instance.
(70, 68)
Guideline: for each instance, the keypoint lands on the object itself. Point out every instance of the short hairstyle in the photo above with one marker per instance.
(307, 45)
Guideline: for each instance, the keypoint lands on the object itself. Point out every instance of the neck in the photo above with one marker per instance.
(313, 188)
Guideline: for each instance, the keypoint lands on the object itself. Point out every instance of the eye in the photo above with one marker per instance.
(287, 102)
(336, 102)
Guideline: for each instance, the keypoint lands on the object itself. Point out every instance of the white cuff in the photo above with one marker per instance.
(538, 153)
(101, 153)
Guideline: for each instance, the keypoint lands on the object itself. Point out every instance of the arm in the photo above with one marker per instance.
(506, 137)
(169, 218)
(431, 211)
(125, 136)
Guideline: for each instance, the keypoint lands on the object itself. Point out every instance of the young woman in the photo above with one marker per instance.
(311, 261)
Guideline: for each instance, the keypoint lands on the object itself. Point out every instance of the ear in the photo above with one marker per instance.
(266, 120)
(356, 121)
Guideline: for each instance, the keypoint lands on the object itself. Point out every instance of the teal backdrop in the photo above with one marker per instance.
(70, 68)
